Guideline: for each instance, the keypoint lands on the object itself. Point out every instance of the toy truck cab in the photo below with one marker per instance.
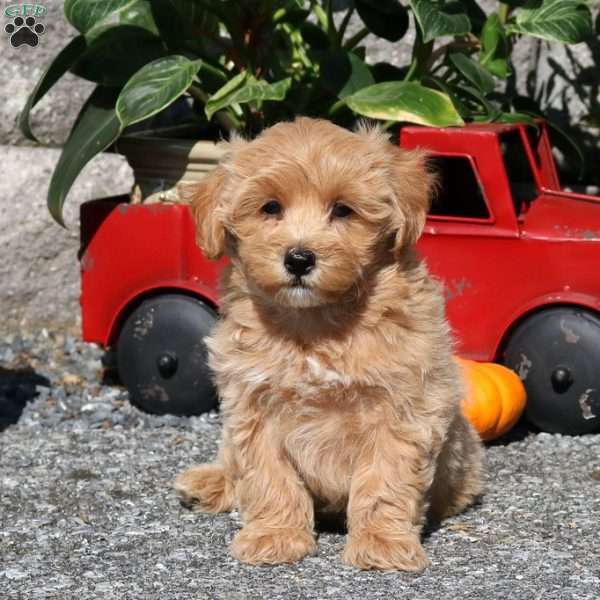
(517, 257)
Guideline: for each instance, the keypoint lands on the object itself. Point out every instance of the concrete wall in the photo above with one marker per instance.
(39, 269)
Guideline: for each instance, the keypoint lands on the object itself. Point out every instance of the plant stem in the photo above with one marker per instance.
(356, 39)
(331, 32)
(213, 70)
(344, 25)
(225, 119)
(320, 13)
(468, 43)
(503, 11)
(335, 107)
(197, 93)
(420, 59)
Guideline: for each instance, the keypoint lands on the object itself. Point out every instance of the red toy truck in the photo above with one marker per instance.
(518, 257)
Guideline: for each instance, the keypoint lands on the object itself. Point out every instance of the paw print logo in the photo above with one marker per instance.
(24, 31)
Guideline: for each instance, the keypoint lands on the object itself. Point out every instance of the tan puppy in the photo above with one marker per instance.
(333, 358)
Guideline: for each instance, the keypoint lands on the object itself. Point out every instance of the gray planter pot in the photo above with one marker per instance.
(162, 166)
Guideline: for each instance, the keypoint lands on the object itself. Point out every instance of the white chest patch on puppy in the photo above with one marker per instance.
(320, 373)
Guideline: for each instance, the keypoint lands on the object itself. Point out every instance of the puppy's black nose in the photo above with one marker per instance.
(299, 261)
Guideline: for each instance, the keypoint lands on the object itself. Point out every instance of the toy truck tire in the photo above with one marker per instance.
(556, 352)
(162, 358)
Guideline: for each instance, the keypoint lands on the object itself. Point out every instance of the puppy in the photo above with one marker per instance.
(333, 359)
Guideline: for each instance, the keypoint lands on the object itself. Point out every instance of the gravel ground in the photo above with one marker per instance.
(87, 510)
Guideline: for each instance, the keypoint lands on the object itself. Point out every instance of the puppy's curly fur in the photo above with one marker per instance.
(338, 387)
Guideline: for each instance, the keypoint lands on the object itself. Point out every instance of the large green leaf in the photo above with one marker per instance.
(385, 18)
(154, 87)
(494, 55)
(344, 73)
(186, 22)
(91, 16)
(405, 101)
(360, 77)
(85, 14)
(103, 62)
(440, 84)
(568, 21)
(225, 91)
(56, 69)
(96, 128)
(245, 88)
(438, 18)
(472, 71)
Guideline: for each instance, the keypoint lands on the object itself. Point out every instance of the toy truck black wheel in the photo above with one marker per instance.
(161, 355)
(556, 352)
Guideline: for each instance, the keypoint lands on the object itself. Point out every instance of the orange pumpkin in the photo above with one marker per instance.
(495, 398)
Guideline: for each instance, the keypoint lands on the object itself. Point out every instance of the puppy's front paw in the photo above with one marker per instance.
(260, 546)
(206, 488)
(376, 551)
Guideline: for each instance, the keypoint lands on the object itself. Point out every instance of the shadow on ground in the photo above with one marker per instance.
(518, 433)
(17, 388)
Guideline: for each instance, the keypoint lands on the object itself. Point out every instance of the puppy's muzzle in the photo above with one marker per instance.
(299, 261)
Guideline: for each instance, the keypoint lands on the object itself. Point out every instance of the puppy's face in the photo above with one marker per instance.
(307, 208)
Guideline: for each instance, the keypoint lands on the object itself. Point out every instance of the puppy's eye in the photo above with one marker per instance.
(340, 211)
(272, 207)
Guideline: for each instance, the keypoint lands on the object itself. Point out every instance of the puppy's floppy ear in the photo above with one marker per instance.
(209, 199)
(205, 199)
(412, 185)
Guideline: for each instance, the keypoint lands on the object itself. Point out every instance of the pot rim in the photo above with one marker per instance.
(134, 146)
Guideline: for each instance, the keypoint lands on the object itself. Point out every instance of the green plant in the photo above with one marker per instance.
(247, 64)
(567, 92)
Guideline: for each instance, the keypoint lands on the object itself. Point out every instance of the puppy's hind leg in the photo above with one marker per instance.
(209, 487)
(457, 482)
(206, 488)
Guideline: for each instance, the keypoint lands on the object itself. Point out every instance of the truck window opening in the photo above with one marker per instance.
(459, 192)
(518, 170)
(534, 138)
